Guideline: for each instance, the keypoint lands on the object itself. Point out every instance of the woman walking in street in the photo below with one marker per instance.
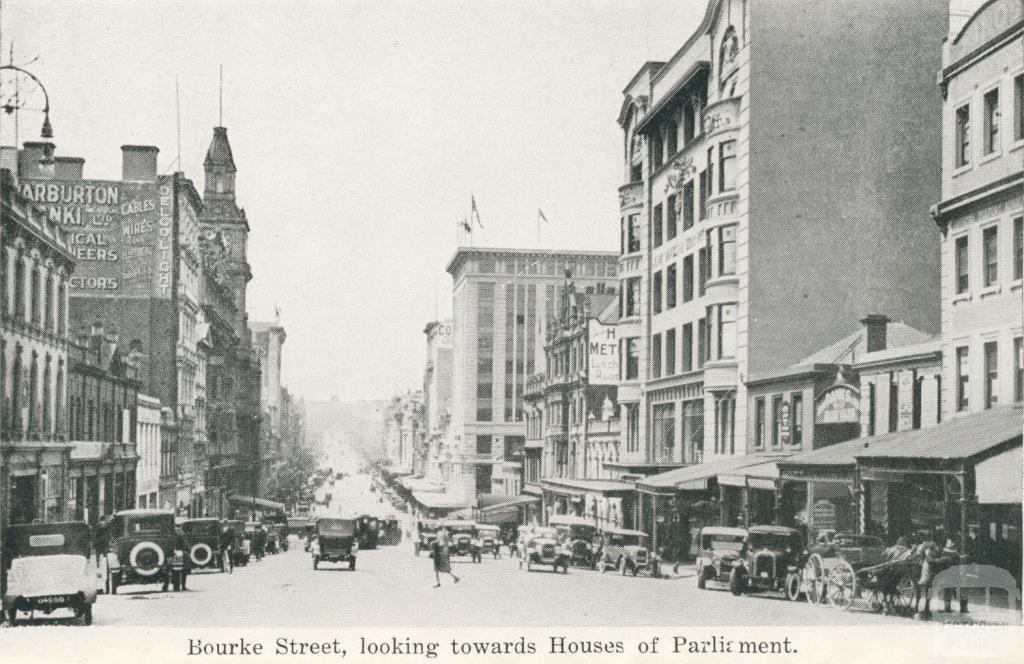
(442, 561)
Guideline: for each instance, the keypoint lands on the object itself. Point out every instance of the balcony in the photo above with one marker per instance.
(721, 116)
(631, 195)
(535, 385)
(721, 376)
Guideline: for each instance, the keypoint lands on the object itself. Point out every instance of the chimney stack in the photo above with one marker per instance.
(138, 163)
(32, 157)
(875, 328)
(68, 168)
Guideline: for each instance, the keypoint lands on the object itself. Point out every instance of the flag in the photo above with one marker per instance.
(474, 212)
(541, 217)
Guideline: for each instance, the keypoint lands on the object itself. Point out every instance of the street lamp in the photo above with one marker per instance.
(14, 103)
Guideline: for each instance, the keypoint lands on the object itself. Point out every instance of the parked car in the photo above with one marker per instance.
(391, 531)
(367, 531)
(208, 544)
(462, 539)
(626, 551)
(146, 548)
(48, 567)
(490, 539)
(720, 548)
(578, 534)
(335, 541)
(239, 543)
(771, 561)
(426, 534)
(543, 548)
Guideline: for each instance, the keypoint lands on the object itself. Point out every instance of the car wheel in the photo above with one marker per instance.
(737, 582)
(352, 564)
(316, 562)
(792, 586)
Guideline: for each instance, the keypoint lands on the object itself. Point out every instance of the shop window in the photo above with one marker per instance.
(990, 251)
(759, 422)
(687, 347)
(991, 124)
(963, 280)
(991, 374)
(963, 136)
(688, 278)
(656, 356)
(796, 414)
(670, 352)
(663, 417)
(658, 223)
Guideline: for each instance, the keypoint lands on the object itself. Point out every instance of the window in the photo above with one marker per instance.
(1018, 369)
(656, 292)
(759, 422)
(670, 286)
(776, 421)
(1018, 107)
(663, 416)
(632, 427)
(670, 352)
(483, 444)
(671, 137)
(687, 347)
(871, 409)
(657, 150)
(963, 375)
(688, 205)
(726, 331)
(963, 275)
(702, 340)
(796, 415)
(632, 296)
(688, 278)
(990, 251)
(633, 234)
(991, 374)
(727, 166)
(702, 207)
(727, 250)
(963, 136)
(656, 356)
(1018, 248)
(711, 171)
(894, 403)
(658, 225)
(632, 356)
(703, 269)
(670, 221)
(991, 143)
(636, 173)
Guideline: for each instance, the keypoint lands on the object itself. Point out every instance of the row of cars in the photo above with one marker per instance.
(51, 566)
(339, 540)
(572, 540)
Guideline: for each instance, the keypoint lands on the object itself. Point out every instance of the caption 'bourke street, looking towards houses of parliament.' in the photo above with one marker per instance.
(798, 374)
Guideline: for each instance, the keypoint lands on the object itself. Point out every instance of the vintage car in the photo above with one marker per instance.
(49, 567)
(335, 541)
(146, 548)
(771, 561)
(578, 534)
(462, 539)
(626, 551)
(426, 535)
(239, 544)
(720, 548)
(490, 539)
(543, 548)
(208, 544)
(367, 531)
(391, 531)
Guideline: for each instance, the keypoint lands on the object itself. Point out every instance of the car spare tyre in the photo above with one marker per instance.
(146, 558)
(201, 554)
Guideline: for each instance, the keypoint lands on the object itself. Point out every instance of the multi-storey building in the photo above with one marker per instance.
(981, 211)
(502, 300)
(147, 444)
(233, 381)
(268, 340)
(36, 264)
(437, 399)
(757, 212)
(103, 390)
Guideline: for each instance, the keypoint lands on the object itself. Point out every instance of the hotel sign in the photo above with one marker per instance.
(602, 354)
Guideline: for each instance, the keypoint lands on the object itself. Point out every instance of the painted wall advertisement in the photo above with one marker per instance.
(117, 232)
(602, 354)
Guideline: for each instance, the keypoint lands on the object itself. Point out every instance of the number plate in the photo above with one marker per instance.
(764, 574)
(50, 599)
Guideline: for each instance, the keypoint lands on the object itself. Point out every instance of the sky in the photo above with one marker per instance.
(359, 130)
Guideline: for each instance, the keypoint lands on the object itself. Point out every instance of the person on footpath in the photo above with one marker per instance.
(442, 559)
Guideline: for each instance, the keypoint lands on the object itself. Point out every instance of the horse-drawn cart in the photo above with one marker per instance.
(856, 568)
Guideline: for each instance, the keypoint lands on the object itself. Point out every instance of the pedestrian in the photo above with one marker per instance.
(442, 560)
(950, 557)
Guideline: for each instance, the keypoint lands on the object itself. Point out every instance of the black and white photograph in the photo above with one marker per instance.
(581, 330)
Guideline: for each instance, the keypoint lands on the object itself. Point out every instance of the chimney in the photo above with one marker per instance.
(875, 327)
(9, 158)
(68, 168)
(138, 162)
(33, 158)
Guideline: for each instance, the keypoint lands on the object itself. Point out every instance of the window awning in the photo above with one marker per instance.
(697, 476)
(438, 501)
(761, 476)
(998, 479)
(420, 484)
(580, 487)
(509, 502)
(257, 503)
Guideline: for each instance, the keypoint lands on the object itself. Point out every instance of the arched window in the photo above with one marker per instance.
(19, 286)
(16, 388)
(33, 394)
(47, 396)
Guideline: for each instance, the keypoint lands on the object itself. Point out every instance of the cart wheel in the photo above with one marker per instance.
(793, 586)
(877, 601)
(814, 579)
(842, 585)
(904, 597)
